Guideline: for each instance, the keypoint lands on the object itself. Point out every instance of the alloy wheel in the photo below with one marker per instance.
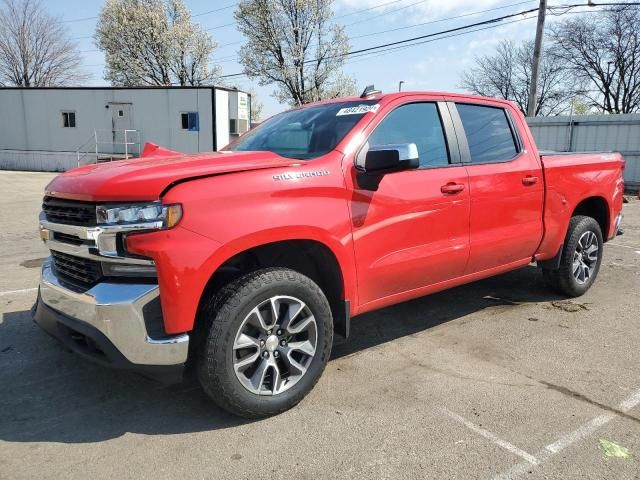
(275, 345)
(585, 257)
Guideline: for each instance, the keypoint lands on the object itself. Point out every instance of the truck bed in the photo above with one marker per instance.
(570, 177)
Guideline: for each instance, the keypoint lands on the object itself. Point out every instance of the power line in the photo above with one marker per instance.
(414, 39)
(387, 51)
(424, 23)
(231, 5)
(368, 9)
(388, 12)
(410, 42)
(73, 20)
(448, 19)
(221, 26)
(370, 55)
(440, 20)
(421, 37)
(230, 43)
(464, 27)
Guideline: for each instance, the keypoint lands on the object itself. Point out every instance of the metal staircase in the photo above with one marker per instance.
(109, 145)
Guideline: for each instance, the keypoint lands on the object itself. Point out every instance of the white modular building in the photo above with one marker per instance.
(55, 129)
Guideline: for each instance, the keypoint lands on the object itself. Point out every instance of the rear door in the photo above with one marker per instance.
(506, 186)
(414, 230)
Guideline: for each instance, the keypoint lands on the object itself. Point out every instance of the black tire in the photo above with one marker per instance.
(563, 279)
(226, 313)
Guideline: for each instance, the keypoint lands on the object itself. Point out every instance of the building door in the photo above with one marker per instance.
(122, 140)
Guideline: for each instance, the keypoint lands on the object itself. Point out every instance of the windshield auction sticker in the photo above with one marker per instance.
(359, 110)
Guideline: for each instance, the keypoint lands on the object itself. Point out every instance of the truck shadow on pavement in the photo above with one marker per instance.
(49, 395)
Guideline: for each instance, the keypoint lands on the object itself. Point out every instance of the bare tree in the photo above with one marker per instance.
(604, 52)
(293, 44)
(507, 74)
(154, 42)
(35, 50)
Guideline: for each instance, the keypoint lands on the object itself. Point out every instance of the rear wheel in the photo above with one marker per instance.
(581, 258)
(269, 340)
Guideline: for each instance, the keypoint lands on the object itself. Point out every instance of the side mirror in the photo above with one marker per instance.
(381, 160)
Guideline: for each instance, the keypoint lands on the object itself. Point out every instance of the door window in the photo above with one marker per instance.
(488, 133)
(417, 123)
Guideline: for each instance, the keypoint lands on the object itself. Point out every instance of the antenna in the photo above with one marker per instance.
(369, 91)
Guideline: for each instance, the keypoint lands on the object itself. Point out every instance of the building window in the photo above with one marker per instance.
(121, 113)
(189, 121)
(69, 119)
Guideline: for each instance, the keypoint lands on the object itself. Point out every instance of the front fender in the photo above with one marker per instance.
(226, 215)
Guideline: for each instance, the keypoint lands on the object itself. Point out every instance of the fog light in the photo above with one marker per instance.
(127, 270)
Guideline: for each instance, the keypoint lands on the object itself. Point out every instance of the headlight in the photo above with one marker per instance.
(169, 215)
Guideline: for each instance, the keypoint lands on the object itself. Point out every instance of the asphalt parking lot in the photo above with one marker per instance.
(497, 379)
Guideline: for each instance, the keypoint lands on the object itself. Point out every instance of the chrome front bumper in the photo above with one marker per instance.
(113, 312)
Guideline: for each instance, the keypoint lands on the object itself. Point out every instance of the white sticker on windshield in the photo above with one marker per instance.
(359, 110)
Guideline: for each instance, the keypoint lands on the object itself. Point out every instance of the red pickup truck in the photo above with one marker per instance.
(248, 262)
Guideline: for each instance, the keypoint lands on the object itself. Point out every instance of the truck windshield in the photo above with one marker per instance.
(305, 133)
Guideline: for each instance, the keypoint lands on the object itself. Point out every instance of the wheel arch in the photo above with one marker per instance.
(597, 208)
(309, 256)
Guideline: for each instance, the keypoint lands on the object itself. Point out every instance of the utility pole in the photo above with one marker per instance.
(537, 52)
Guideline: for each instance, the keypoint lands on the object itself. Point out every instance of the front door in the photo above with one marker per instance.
(121, 123)
(414, 230)
(507, 188)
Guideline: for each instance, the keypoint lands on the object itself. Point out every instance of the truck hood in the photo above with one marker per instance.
(145, 179)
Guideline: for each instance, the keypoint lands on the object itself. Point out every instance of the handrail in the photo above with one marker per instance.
(94, 140)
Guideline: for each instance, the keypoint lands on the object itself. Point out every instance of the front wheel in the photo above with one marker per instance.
(269, 341)
(581, 258)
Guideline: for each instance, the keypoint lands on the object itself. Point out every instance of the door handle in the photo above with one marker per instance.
(452, 188)
(529, 180)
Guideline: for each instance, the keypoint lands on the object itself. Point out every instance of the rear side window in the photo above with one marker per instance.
(488, 133)
(417, 123)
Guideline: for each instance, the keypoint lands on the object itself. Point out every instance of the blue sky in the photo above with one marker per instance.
(431, 66)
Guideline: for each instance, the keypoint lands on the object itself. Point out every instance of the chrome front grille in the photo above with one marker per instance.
(81, 272)
(69, 212)
(84, 256)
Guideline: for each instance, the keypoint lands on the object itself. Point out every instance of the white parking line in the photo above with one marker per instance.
(631, 402)
(13, 292)
(572, 437)
(492, 437)
(622, 246)
(581, 432)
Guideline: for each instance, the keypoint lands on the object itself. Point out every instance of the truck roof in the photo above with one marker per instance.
(388, 97)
